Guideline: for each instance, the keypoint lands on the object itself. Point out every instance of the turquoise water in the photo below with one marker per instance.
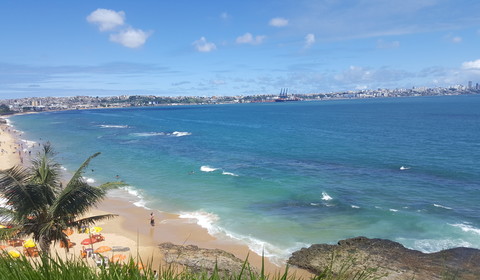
(280, 176)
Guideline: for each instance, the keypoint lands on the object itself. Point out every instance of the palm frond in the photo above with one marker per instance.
(16, 175)
(22, 196)
(92, 220)
(45, 170)
(111, 185)
(8, 233)
(77, 176)
(76, 199)
(6, 214)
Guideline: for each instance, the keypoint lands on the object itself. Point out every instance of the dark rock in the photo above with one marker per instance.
(201, 260)
(391, 259)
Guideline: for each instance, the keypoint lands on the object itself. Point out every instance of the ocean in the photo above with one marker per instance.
(281, 176)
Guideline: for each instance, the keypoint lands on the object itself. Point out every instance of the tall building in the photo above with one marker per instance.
(469, 84)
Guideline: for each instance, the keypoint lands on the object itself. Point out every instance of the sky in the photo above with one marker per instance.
(219, 48)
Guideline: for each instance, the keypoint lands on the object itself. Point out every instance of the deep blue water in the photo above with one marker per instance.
(283, 175)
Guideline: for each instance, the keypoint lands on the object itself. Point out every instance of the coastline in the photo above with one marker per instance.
(132, 226)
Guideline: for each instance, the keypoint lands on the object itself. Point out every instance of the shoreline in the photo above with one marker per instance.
(132, 226)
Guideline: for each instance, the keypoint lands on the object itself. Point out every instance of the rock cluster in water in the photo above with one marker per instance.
(391, 259)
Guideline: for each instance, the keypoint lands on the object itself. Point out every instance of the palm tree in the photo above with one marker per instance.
(37, 204)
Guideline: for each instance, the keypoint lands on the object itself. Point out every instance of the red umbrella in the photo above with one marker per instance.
(88, 241)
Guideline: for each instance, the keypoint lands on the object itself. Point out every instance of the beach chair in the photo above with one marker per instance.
(15, 242)
(31, 252)
(70, 244)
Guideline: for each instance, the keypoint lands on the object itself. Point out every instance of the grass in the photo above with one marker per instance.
(47, 267)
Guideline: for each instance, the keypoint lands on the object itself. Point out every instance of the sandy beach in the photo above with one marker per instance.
(131, 228)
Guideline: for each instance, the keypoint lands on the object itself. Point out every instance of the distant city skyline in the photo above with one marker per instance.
(226, 48)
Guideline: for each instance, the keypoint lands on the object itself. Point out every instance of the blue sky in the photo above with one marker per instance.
(207, 48)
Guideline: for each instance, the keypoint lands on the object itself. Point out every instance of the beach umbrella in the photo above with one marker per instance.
(14, 253)
(87, 241)
(96, 229)
(103, 249)
(118, 257)
(29, 244)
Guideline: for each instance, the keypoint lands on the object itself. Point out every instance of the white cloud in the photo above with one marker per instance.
(278, 22)
(381, 44)
(471, 65)
(106, 19)
(130, 37)
(248, 38)
(203, 46)
(309, 40)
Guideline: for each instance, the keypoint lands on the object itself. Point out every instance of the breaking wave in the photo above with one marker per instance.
(229, 173)
(113, 126)
(148, 134)
(441, 206)
(205, 168)
(180, 133)
(326, 197)
(209, 221)
(89, 180)
(467, 228)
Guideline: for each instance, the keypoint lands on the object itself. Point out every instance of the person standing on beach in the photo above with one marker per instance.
(152, 219)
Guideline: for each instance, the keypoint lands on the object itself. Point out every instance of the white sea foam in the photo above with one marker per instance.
(355, 206)
(63, 168)
(135, 196)
(393, 210)
(326, 197)
(30, 144)
(204, 219)
(404, 167)
(433, 245)
(314, 204)
(229, 173)
(113, 126)
(89, 180)
(148, 134)
(206, 168)
(467, 228)
(209, 222)
(441, 206)
(180, 133)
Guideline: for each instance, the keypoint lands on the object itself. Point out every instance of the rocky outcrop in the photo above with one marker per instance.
(200, 260)
(390, 259)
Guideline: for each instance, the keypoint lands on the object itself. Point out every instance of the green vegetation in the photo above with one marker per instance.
(50, 268)
(5, 110)
(39, 206)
